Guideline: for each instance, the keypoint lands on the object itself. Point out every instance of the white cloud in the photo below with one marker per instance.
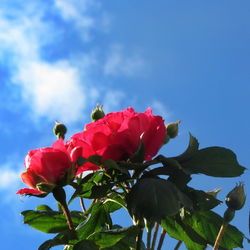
(54, 90)
(113, 100)
(50, 89)
(160, 109)
(61, 89)
(119, 62)
(82, 15)
(9, 178)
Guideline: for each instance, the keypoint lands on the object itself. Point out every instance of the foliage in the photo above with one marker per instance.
(155, 192)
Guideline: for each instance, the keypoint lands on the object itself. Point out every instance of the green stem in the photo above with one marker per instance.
(82, 205)
(139, 238)
(163, 233)
(60, 196)
(68, 216)
(178, 245)
(220, 235)
(155, 236)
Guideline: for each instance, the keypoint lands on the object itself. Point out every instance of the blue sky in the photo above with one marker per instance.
(188, 60)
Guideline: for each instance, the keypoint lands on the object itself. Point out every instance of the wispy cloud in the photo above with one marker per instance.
(9, 177)
(50, 89)
(60, 88)
(121, 63)
(56, 90)
(85, 15)
(160, 109)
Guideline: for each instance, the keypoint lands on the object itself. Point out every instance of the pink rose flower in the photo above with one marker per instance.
(117, 136)
(45, 165)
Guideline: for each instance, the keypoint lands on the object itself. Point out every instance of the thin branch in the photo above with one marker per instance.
(155, 236)
(163, 233)
(82, 205)
(178, 245)
(220, 235)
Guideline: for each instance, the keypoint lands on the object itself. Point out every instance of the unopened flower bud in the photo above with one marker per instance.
(59, 130)
(97, 113)
(236, 198)
(172, 129)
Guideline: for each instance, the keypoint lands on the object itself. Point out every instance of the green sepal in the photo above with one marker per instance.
(139, 155)
(45, 187)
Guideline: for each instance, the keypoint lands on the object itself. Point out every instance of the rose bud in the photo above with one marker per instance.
(59, 130)
(97, 113)
(236, 198)
(172, 129)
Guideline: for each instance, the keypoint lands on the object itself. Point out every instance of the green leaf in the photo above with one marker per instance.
(126, 243)
(186, 234)
(191, 149)
(95, 159)
(111, 237)
(214, 161)
(113, 202)
(207, 225)
(202, 200)
(60, 239)
(154, 199)
(92, 186)
(108, 163)
(86, 245)
(51, 243)
(98, 220)
(50, 221)
(43, 208)
(80, 161)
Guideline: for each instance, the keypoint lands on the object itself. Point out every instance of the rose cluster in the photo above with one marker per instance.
(115, 136)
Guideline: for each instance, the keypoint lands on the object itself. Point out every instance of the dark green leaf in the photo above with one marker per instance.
(95, 159)
(60, 239)
(51, 243)
(108, 163)
(98, 192)
(111, 237)
(86, 185)
(85, 245)
(214, 161)
(98, 220)
(186, 234)
(192, 148)
(81, 160)
(126, 243)
(154, 199)
(202, 200)
(49, 221)
(207, 225)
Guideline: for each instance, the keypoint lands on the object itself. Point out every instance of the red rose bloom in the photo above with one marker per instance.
(117, 136)
(45, 165)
